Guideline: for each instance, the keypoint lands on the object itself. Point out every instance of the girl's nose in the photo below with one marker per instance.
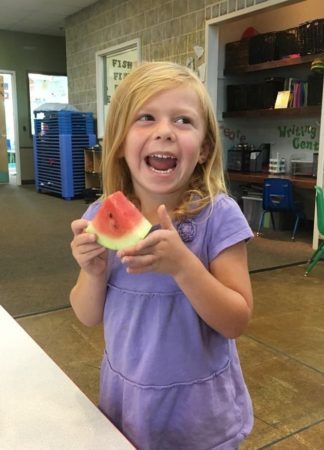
(163, 131)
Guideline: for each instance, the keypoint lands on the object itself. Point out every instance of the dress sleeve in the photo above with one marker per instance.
(227, 226)
(91, 211)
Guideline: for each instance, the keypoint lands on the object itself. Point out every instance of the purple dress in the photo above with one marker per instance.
(168, 380)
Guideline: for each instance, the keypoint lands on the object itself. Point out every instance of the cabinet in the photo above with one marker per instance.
(92, 172)
(276, 68)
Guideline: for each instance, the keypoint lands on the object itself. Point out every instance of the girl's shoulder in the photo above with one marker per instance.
(226, 212)
(223, 225)
(222, 199)
(221, 205)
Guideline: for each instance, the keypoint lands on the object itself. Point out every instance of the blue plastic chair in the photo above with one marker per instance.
(319, 253)
(278, 195)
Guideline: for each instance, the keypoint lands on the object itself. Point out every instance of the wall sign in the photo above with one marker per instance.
(112, 66)
(302, 137)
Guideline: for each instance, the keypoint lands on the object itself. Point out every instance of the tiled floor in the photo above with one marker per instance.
(282, 355)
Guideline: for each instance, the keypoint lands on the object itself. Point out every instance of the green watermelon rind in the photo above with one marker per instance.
(137, 234)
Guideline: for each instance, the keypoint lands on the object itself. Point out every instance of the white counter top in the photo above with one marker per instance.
(40, 407)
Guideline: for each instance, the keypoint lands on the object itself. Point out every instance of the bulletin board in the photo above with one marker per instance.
(112, 66)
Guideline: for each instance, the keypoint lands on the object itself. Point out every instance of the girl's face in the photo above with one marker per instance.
(165, 143)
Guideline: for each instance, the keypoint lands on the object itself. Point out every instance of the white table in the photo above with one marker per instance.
(40, 407)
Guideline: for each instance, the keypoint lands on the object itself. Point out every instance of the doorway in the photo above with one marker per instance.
(11, 120)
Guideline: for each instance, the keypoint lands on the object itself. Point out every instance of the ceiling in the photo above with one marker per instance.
(38, 16)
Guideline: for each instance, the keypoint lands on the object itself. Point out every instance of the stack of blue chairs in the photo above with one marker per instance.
(59, 142)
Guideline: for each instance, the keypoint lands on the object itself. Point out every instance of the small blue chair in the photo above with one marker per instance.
(278, 196)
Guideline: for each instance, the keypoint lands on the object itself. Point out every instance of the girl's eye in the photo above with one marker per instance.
(145, 117)
(183, 120)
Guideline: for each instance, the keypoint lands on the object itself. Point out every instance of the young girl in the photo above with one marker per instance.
(173, 304)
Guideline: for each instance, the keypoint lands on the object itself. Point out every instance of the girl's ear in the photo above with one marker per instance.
(204, 152)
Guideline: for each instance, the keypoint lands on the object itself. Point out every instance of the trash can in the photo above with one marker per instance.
(252, 209)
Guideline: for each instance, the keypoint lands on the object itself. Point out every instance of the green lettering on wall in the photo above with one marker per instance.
(282, 131)
(295, 143)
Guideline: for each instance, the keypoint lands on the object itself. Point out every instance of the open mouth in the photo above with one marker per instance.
(161, 163)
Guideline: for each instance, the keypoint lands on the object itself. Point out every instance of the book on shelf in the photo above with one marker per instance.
(298, 92)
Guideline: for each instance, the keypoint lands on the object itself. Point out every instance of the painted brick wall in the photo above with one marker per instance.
(168, 30)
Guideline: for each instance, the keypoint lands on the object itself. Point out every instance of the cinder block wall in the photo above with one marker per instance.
(168, 30)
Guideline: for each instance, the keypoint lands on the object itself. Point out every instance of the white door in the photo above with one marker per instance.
(10, 165)
(4, 176)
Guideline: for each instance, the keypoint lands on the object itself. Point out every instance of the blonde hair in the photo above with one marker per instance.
(146, 80)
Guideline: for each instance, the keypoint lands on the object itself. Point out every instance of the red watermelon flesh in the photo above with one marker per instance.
(118, 223)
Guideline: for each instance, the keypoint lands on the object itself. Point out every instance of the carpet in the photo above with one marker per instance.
(37, 270)
(276, 249)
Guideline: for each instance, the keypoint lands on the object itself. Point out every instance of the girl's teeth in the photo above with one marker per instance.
(161, 163)
(163, 156)
(161, 171)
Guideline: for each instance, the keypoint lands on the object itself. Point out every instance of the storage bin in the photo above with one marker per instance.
(262, 48)
(237, 54)
(59, 140)
(287, 42)
(270, 89)
(315, 89)
(254, 96)
(311, 36)
(236, 97)
(301, 168)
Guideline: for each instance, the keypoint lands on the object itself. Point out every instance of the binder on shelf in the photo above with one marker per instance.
(282, 100)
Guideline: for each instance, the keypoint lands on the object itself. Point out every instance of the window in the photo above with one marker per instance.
(46, 89)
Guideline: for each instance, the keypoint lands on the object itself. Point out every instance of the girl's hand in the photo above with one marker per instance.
(90, 256)
(221, 296)
(161, 251)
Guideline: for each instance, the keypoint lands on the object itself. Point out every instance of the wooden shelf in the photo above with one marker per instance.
(282, 112)
(280, 63)
(258, 178)
(92, 169)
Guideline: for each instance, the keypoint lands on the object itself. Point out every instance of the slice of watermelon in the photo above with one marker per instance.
(118, 223)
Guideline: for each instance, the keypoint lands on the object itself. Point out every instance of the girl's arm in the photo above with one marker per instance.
(88, 295)
(222, 295)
